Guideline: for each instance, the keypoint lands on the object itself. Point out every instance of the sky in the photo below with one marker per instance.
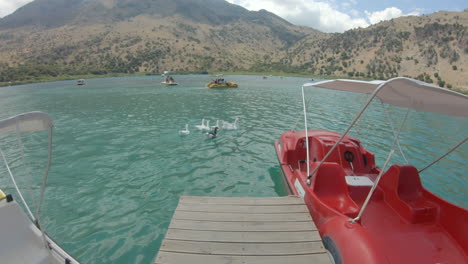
(325, 15)
(339, 16)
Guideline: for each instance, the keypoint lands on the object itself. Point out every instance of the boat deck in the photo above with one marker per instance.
(242, 230)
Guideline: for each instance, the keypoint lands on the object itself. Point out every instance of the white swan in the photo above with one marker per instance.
(230, 126)
(185, 131)
(200, 127)
(207, 126)
(217, 125)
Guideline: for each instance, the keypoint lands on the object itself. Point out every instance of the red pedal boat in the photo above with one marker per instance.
(367, 214)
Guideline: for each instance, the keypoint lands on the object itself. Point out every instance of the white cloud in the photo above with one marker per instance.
(387, 14)
(354, 12)
(348, 4)
(9, 6)
(320, 15)
(323, 14)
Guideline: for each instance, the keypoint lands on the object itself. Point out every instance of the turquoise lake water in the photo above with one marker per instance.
(119, 165)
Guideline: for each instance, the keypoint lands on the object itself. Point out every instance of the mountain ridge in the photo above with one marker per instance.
(56, 13)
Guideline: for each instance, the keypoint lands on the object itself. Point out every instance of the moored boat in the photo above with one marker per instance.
(168, 81)
(367, 214)
(23, 237)
(220, 82)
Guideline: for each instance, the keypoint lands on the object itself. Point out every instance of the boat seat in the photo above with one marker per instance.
(331, 188)
(403, 191)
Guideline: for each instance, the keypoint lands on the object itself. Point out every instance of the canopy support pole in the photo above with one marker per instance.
(443, 156)
(16, 186)
(306, 134)
(354, 220)
(393, 129)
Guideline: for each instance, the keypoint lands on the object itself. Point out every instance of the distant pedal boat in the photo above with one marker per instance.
(221, 83)
(224, 85)
(169, 80)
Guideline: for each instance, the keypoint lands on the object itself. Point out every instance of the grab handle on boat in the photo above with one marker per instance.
(349, 157)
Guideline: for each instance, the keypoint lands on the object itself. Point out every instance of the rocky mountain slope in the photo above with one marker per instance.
(433, 48)
(74, 37)
(108, 36)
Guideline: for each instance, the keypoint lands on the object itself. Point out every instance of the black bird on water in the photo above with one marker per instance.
(212, 134)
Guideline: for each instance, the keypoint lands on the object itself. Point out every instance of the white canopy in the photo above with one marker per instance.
(27, 122)
(405, 92)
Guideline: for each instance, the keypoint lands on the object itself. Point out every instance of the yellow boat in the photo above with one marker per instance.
(221, 83)
(169, 83)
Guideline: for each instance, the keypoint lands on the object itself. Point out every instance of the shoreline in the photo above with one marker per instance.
(96, 76)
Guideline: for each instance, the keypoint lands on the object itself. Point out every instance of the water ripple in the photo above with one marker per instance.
(120, 166)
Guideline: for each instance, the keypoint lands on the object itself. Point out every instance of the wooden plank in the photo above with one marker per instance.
(243, 249)
(229, 208)
(258, 237)
(242, 226)
(241, 200)
(210, 216)
(216, 230)
(178, 258)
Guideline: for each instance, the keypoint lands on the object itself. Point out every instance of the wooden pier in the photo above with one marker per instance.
(242, 231)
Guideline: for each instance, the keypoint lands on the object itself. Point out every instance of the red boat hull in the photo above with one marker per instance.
(403, 223)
